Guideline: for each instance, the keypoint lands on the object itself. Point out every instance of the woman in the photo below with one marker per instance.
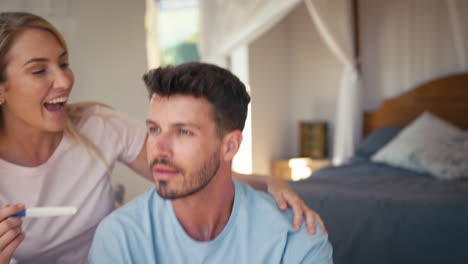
(53, 154)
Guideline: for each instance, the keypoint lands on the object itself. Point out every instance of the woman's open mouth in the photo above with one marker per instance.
(56, 104)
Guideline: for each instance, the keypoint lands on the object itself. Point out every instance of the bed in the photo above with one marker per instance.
(380, 213)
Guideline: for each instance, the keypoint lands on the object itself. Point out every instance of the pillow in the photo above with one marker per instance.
(446, 159)
(375, 141)
(426, 129)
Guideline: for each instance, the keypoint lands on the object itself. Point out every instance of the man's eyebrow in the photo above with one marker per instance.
(65, 53)
(179, 124)
(150, 122)
(189, 124)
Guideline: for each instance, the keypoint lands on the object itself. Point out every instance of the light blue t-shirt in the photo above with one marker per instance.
(146, 230)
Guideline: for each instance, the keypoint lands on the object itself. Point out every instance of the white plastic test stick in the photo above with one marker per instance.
(49, 211)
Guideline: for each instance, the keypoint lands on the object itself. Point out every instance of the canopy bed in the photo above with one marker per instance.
(381, 208)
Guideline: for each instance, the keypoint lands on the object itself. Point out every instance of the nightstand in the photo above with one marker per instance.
(297, 168)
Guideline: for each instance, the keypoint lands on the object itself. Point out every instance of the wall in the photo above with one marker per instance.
(269, 80)
(106, 41)
(289, 86)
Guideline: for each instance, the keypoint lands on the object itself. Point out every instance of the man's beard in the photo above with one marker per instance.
(192, 183)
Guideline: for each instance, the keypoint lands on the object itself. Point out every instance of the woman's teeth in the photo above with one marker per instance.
(56, 104)
(57, 100)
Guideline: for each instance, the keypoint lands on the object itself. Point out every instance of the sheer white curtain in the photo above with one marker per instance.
(407, 42)
(229, 24)
(334, 21)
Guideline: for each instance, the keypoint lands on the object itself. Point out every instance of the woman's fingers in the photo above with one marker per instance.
(311, 218)
(298, 212)
(7, 252)
(10, 231)
(10, 210)
(9, 224)
(8, 237)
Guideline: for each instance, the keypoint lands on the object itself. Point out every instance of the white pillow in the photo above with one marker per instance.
(446, 159)
(425, 130)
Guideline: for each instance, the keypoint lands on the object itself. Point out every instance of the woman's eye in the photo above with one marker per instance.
(64, 65)
(38, 72)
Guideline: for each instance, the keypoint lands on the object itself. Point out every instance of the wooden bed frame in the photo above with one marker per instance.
(446, 97)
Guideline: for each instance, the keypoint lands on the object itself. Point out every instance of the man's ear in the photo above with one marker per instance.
(231, 143)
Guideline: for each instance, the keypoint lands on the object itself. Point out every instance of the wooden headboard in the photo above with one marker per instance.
(446, 97)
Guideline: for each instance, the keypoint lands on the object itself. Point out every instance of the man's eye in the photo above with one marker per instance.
(184, 132)
(64, 65)
(154, 129)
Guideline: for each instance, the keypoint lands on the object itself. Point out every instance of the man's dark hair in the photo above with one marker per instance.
(220, 87)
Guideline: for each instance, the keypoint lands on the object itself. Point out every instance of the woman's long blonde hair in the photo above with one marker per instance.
(11, 25)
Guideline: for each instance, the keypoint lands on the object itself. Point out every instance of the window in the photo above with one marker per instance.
(172, 29)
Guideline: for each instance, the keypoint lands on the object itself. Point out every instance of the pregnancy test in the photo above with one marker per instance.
(46, 211)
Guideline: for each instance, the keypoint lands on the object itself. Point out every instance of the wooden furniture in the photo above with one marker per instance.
(284, 169)
(446, 97)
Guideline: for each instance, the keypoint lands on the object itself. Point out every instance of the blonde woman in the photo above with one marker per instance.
(53, 153)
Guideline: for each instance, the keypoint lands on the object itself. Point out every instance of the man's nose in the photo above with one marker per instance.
(161, 146)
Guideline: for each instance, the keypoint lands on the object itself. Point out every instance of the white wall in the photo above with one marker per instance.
(289, 86)
(106, 41)
(270, 92)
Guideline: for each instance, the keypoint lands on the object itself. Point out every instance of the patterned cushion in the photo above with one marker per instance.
(446, 159)
(402, 150)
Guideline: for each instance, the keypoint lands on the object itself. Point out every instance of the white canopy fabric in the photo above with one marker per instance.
(334, 23)
(229, 24)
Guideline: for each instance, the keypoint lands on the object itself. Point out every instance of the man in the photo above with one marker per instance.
(197, 213)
